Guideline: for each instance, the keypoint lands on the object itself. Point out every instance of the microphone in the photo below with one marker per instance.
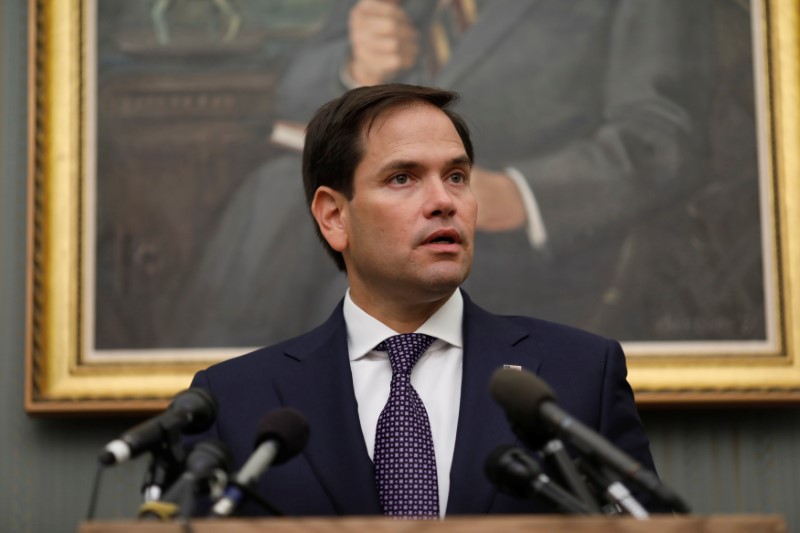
(529, 403)
(282, 434)
(191, 411)
(615, 492)
(559, 458)
(207, 466)
(554, 452)
(515, 473)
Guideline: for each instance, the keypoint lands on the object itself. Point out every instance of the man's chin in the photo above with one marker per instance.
(446, 279)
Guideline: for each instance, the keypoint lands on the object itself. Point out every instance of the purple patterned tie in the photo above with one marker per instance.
(405, 464)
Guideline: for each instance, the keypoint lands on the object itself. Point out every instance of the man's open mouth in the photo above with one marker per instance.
(447, 236)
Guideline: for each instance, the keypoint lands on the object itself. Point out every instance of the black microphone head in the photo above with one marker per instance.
(206, 457)
(200, 406)
(521, 394)
(288, 427)
(511, 470)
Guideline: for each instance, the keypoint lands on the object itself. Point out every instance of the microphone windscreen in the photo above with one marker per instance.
(200, 405)
(206, 457)
(520, 394)
(492, 467)
(511, 470)
(288, 427)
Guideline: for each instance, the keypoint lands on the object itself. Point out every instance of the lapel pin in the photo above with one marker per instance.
(513, 367)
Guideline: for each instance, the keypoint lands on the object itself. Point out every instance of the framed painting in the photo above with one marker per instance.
(658, 176)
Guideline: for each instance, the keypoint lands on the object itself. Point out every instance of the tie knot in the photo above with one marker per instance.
(404, 350)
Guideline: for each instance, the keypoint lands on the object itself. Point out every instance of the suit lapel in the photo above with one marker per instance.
(494, 24)
(489, 343)
(320, 386)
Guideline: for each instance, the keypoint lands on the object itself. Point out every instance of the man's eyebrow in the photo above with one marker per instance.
(461, 160)
(408, 164)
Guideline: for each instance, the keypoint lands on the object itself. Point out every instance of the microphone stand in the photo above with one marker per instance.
(616, 493)
(165, 467)
(558, 457)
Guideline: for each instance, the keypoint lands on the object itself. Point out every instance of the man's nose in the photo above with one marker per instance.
(439, 199)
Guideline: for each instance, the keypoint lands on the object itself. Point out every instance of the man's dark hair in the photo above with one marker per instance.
(336, 135)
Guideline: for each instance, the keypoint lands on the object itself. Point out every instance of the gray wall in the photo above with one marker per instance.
(722, 461)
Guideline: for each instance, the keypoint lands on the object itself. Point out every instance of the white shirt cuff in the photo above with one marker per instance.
(537, 233)
(347, 80)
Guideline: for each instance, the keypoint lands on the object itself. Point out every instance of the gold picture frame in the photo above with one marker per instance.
(59, 379)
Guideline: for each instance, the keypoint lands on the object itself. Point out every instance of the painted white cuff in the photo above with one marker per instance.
(537, 233)
(347, 79)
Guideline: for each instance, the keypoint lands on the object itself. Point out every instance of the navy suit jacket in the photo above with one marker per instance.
(334, 474)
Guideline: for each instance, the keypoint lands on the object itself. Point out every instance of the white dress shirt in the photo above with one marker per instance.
(436, 377)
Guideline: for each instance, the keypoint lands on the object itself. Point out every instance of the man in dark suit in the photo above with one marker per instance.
(386, 171)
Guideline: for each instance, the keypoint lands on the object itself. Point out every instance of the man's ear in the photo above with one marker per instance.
(329, 209)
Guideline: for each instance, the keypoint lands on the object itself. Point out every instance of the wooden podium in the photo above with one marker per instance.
(461, 524)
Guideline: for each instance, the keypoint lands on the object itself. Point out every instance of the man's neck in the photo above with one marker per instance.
(400, 315)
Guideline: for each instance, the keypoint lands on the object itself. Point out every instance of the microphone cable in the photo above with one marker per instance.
(95, 491)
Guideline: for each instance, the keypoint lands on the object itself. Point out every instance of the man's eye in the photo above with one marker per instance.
(457, 178)
(401, 179)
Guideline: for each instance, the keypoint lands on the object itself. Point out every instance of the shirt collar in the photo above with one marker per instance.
(364, 332)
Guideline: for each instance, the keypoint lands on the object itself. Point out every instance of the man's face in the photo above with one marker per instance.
(409, 226)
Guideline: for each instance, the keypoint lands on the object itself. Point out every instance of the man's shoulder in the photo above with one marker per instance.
(561, 353)
(536, 328)
(545, 327)
(286, 352)
(260, 357)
